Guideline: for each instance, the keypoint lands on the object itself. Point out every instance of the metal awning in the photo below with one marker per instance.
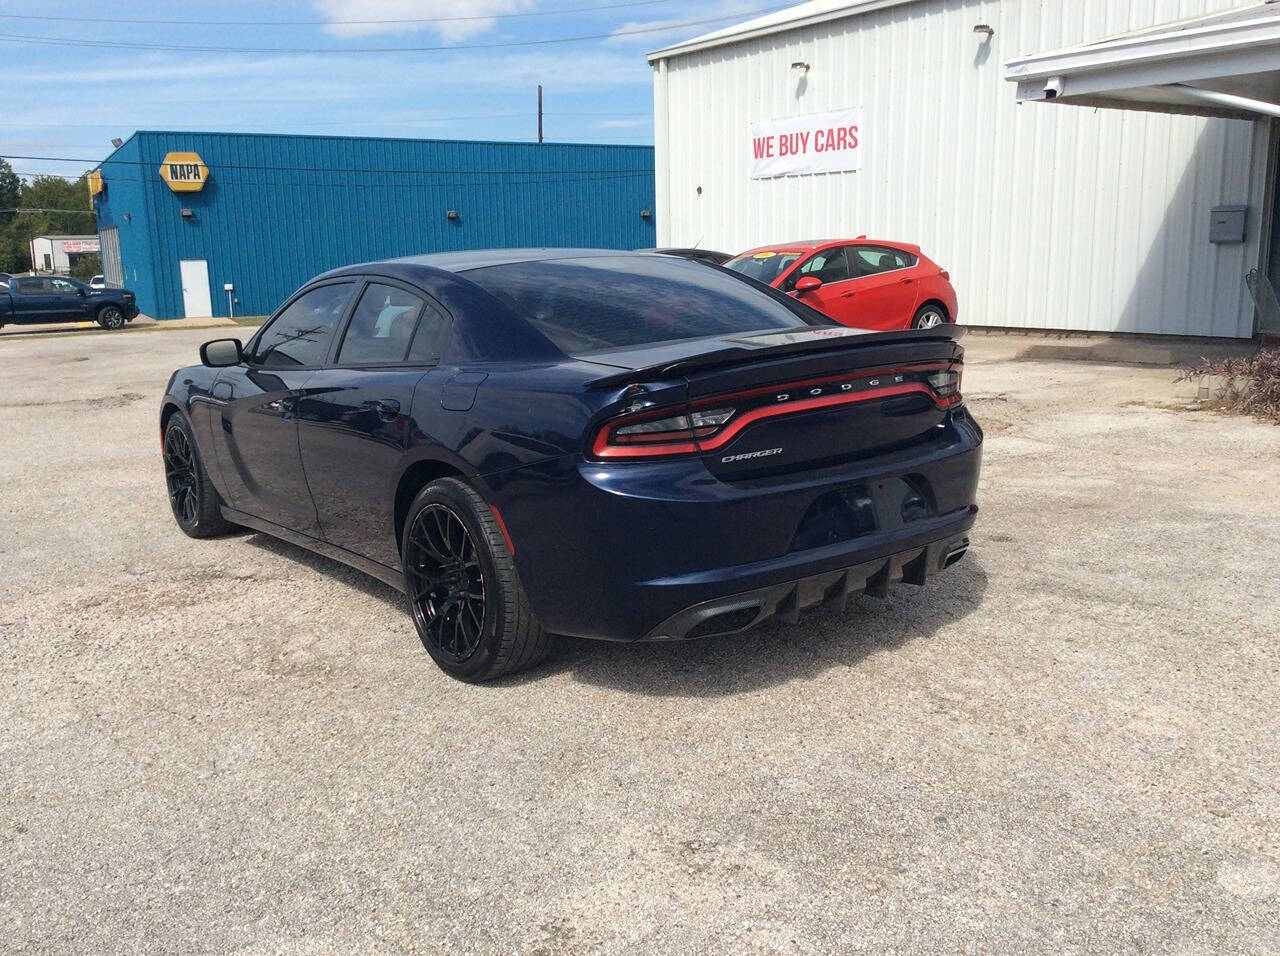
(1226, 64)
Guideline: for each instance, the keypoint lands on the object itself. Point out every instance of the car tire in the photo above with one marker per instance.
(930, 315)
(110, 317)
(196, 504)
(465, 597)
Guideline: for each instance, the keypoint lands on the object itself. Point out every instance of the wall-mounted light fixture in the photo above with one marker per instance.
(800, 65)
(188, 212)
(645, 214)
(451, 214)
(117, 142)
(985, 29)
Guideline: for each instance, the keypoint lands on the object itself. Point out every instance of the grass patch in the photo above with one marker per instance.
(254, 320)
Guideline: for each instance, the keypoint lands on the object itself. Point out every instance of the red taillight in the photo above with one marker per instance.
(945, 274)
(647, 436)
(714, 422)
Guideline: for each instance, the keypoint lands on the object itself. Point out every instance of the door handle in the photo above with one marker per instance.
(388, 409)
(846, 295)
(906, 281)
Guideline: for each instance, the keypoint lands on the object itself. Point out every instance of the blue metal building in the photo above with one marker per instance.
(264, 213)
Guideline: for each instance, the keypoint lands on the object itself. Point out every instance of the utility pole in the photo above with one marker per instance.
(539, 112)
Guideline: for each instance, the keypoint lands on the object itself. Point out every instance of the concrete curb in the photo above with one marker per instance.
(1117, 348)
(140, 324)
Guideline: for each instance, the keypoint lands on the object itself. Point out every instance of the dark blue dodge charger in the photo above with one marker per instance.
(602, 444)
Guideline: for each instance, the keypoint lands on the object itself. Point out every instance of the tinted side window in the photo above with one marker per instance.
(381, 326)
(427, 342)
(63, 286)
(32, 286)
(869, 260)
(300, 335)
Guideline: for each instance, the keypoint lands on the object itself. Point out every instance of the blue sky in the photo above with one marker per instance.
(62, 100)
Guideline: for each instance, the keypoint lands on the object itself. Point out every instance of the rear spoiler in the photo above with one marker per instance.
(744, 349)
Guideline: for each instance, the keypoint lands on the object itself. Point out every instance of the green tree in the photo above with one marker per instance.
(87, 266)
(10, 191)
(10, 197)
(34, 196)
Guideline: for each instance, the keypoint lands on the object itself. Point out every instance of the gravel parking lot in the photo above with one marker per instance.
(1068, 742)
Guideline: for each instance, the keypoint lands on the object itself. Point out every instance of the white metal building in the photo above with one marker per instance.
(58, 253)
(1047, 216)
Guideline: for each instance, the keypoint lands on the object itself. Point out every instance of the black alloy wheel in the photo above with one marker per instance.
(196, 505)
(181, 477)
(109, 317)
(468, 605)
(448, 583)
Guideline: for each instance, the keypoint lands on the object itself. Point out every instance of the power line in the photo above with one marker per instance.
(397, 122)
(296, 51)
(37, 209)
(81, 212)
(328, 169)
(335, 23)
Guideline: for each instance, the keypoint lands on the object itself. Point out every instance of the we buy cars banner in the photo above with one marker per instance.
(814, 143)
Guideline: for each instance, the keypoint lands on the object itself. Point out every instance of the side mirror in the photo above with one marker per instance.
(808, 284)
(80, 292)
(221, 353)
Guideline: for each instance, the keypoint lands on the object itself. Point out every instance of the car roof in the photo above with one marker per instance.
(809, 245)
(481, 258)
(460, 262)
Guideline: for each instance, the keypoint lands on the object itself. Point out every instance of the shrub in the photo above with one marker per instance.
(1247, 385)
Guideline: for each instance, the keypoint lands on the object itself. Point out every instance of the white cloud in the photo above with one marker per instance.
(450, 31)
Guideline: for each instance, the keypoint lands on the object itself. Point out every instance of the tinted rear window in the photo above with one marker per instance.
(585, 305)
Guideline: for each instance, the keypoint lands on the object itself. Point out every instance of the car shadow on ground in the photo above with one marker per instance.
(339, 572)
(775, 652)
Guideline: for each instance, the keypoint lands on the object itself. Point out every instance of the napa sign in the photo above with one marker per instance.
(800, 145)
(184, 172)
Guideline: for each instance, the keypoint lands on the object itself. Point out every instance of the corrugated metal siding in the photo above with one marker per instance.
(125, 207)
(1047, 216)
(277, 210)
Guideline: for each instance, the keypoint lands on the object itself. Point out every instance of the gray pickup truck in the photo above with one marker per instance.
(31, 299)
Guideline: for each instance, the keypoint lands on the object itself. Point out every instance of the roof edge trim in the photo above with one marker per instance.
(780, 21)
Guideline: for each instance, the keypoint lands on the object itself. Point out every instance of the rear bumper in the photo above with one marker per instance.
(652, 550)
(737, 612)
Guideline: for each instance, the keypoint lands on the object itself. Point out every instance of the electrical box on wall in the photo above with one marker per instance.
(1226, 223)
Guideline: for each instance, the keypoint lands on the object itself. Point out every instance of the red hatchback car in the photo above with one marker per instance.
(865, 283)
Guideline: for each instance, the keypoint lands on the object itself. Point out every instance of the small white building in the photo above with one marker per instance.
(1047, 216)
(56, 254)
